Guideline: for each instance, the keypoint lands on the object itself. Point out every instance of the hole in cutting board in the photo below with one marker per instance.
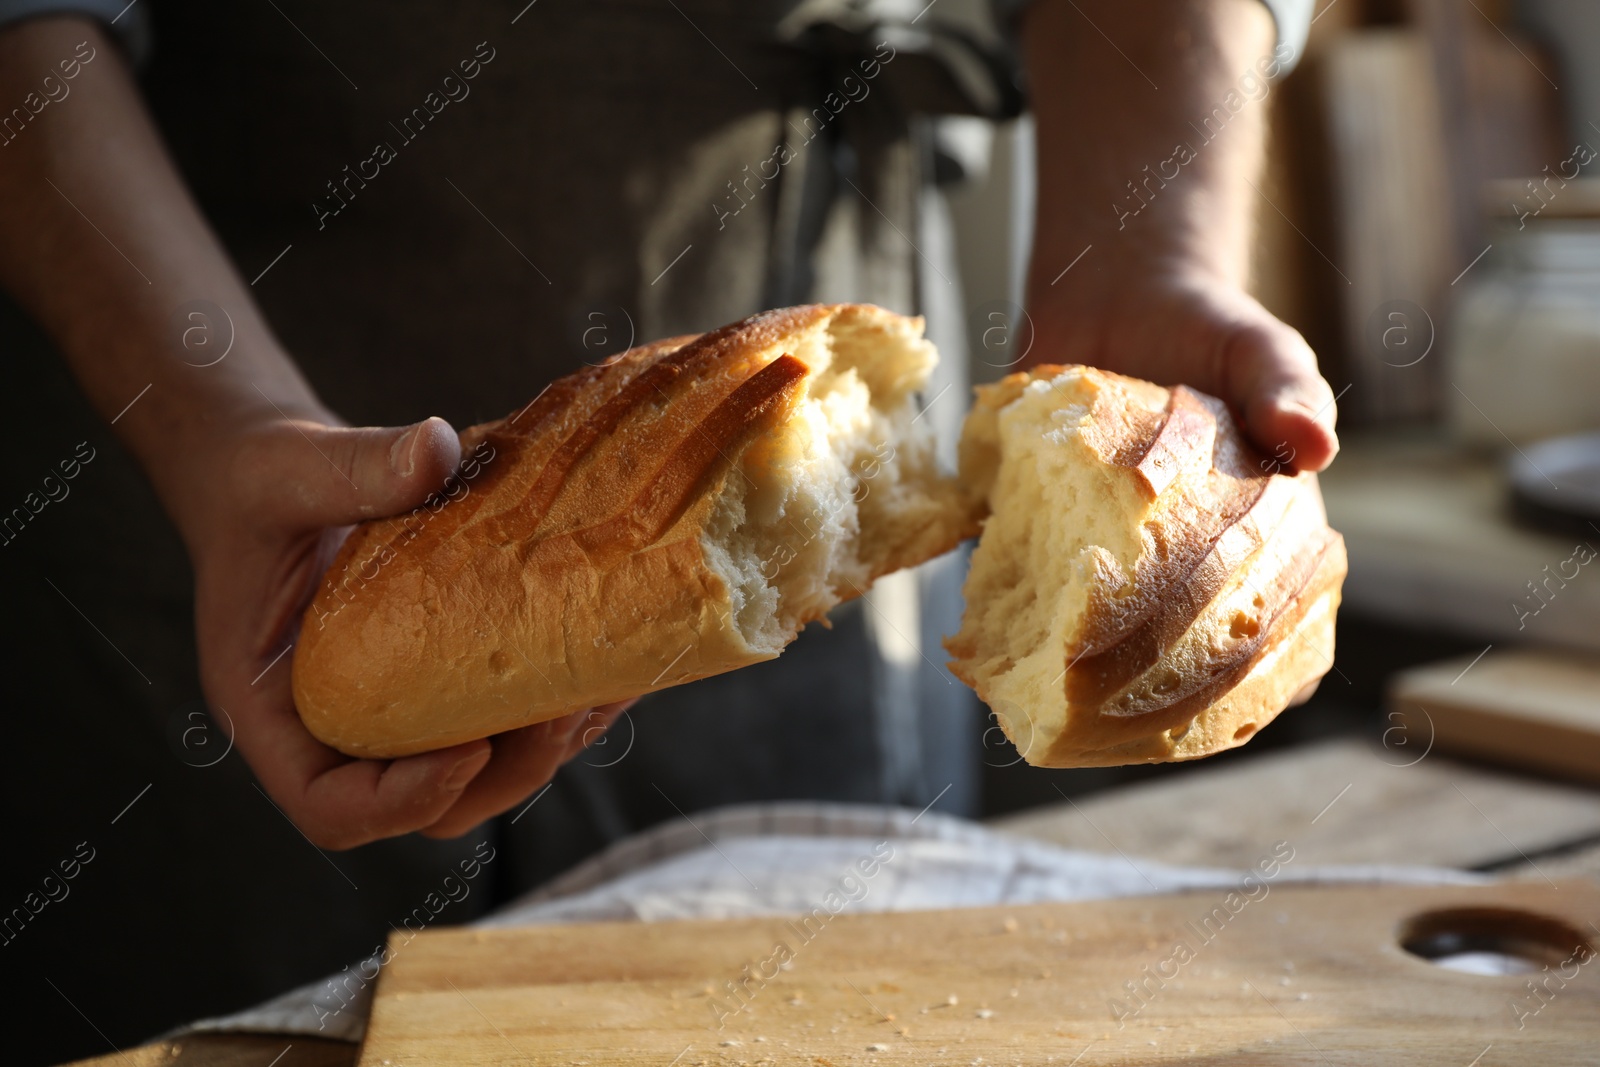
(1491, 941)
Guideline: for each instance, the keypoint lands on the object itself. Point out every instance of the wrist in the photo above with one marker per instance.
(1157, 182)
(195, 423)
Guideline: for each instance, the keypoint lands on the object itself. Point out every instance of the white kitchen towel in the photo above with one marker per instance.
(777, 859)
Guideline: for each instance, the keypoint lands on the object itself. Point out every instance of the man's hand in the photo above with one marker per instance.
(1204, 333)
(1151, 119)
(257, 476)
(285, 497)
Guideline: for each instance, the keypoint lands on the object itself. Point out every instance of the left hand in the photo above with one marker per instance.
(262, 521)
(1173, 325)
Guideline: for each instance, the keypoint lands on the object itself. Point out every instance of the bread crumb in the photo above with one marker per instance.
(877, 1048)
(984, 1013)
(1010, 925)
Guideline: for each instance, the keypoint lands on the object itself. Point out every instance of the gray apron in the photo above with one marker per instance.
(429, 242)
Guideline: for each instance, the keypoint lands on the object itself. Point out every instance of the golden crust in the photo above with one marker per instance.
(566, 566)
(1226, 613)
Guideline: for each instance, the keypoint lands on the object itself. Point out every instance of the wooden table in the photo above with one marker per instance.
(1340, 801)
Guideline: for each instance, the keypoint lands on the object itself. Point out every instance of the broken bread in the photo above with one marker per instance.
(1147, 587)
(679, 511)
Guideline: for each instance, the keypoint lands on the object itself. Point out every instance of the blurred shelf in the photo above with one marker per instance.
(1432, 543)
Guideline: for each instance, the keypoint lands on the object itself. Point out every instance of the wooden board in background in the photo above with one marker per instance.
(1388, 805)
(1300, 976)
(1522, 707)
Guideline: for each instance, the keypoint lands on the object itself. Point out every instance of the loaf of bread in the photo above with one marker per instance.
(682, 510)
(1147, 586)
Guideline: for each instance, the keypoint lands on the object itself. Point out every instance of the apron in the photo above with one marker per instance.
(445, 207)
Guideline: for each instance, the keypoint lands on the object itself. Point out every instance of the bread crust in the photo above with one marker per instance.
(566, 565)
(1224, 616)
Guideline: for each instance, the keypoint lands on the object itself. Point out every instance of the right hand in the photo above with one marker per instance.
(289, 490)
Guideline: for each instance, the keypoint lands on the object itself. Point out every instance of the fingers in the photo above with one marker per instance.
(595, 725)
(1305, 693)
(308, 476)
(524, 760)
(1187, 327)
(336, 801)
(353, 802)
(1288, 408)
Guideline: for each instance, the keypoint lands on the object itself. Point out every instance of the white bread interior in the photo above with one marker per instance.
(842, 490)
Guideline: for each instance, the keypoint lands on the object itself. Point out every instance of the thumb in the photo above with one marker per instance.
(1289, 409)
(364, 472)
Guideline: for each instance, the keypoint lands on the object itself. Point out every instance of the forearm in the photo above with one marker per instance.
(1147, 142)
(102, 244)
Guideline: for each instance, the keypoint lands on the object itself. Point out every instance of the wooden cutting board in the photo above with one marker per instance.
(1292, 976)
(1526, 707)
